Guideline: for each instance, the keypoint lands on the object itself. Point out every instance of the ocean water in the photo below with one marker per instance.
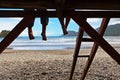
(54, 43)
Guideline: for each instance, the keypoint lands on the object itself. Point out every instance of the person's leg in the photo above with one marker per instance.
(30, 32)
(67, 22)
(44, 22)
(63, 26)
(43, 34)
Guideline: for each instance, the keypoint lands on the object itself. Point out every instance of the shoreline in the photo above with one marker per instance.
(60, 48)
(55, 65)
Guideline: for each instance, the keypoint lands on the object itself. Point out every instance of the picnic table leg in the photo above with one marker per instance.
(15, 32)
(101, 31)
(76, 52)
(97, 38)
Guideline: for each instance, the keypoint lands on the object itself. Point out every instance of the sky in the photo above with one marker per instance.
(53, 28)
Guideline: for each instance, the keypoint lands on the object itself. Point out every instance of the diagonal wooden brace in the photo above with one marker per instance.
(97, 38)
(15, 32)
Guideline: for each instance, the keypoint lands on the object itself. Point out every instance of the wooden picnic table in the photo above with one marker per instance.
(78, 10)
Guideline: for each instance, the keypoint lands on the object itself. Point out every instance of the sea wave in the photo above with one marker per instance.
(23, 43)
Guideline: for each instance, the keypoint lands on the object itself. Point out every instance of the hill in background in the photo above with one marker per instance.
(71, 33)
(112, 30)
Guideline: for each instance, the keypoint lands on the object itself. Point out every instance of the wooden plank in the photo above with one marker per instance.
(81, 4)
(83, 56)
(97, 38)
(101, 31)
(87, 40)
(89, 14)
(15, 32)
(76, 51)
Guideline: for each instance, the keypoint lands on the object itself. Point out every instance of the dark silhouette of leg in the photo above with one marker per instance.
(30, 33)
(44, 22)
(63, 26)
(43, 34)
(67, 22)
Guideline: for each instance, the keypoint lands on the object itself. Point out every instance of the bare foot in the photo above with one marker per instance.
(65, 32)
(43, 37)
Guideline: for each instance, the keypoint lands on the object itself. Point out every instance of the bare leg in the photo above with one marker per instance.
(30, 33)
(43, 34)
(44, 22)
(67, 22)
(63, 26)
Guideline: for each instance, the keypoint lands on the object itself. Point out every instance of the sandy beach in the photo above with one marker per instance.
(55, 65)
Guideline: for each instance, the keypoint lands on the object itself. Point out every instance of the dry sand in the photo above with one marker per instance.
(55, 65)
